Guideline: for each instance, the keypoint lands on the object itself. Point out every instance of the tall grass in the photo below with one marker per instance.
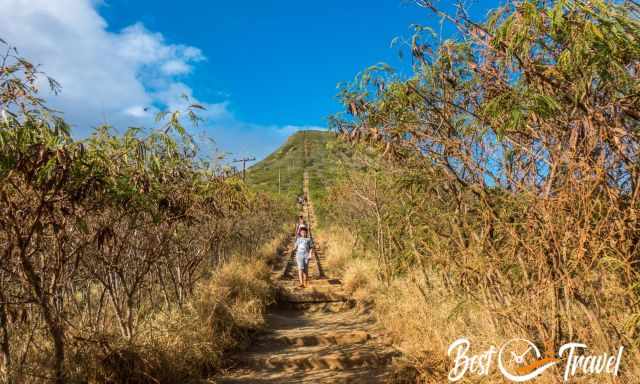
(422, 315)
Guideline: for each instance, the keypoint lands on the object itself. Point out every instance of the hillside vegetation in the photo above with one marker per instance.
(318, 152)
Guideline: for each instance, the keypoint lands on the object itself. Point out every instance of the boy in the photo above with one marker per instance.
(304, 252)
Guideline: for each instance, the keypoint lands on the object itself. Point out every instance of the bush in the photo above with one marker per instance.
(507, 191)
(104, 241)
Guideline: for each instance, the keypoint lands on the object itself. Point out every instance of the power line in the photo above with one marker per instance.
(244, 161)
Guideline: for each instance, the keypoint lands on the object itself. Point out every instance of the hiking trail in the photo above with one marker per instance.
(313, 334)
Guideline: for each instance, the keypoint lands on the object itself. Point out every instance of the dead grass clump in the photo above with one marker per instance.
(357, 269)
(245, 287)
(338, 246)
(359, 279)
(270, 249)
(423, 329)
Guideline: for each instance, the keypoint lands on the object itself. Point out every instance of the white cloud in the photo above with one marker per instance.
(175, 67)
(120, 78)
(105, 76)
(142, 46)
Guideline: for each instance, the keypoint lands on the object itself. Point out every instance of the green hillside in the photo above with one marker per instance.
(281, 173)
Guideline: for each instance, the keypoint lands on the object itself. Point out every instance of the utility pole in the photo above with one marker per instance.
(244, 161)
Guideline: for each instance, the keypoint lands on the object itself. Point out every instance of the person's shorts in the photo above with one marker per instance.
(303, 263)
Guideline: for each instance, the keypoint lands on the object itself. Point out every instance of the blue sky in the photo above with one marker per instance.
(264, 69)
(279, 61)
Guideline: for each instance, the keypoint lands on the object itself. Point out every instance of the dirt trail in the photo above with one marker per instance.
(314, 335)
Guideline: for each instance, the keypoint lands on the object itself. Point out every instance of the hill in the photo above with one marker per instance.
(281, 173)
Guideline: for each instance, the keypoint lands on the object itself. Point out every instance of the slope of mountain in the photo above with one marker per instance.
(318, 152)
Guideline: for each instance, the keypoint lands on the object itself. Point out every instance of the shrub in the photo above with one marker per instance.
(507, 181)
(105, 238)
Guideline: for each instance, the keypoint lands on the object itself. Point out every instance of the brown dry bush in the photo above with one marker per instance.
(507, 193)
(117, 251)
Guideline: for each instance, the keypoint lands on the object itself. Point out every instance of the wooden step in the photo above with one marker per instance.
(330, 338)
(322, 307)
(313, 294)
(365, 375)
(316, 359)
(293, 283)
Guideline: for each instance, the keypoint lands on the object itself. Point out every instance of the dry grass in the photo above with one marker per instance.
(269, 250)
(358, 273)
(184, 344)
(337, 246)
(423, 318)
(423, 327)
(359, 280)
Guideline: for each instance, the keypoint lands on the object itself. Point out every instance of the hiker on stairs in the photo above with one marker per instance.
(301, 223)
(304, 251)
